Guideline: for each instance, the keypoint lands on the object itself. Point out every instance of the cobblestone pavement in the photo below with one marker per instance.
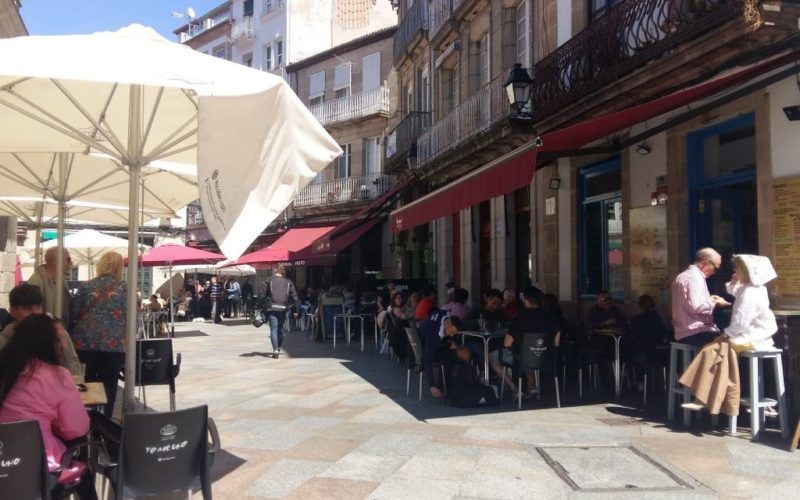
(320, 423)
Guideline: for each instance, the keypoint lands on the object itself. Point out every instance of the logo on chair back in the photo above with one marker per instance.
(538, 348)
(6, 463)
(150, 352)
(1, 448)
(168, 432)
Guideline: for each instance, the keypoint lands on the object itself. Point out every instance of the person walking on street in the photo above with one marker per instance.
(278, 292)
(692, 305)
(99, 333)
(45, 278)
(215, 292)
(234, 293)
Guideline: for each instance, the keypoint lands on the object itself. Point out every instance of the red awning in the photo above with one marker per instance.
(177, 255)
(324, 250)
(374, 208)
(282, 249)
(515, 170)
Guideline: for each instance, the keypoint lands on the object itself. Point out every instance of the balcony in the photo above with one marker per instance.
(630, 34)
(342, 191)
(403, 139)
(414, 23)
(198, 27)
(440, 12)
(353, 107)
(469, 119)
(243, 29)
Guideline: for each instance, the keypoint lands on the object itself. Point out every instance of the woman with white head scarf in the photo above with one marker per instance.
(752, 322)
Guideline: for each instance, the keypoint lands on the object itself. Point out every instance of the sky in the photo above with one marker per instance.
(62, 17)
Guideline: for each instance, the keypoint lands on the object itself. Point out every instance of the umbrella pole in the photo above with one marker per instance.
(37, 249)
(171, 303)
(63, 161)
(134, 171)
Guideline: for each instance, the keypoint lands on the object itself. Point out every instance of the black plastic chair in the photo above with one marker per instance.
(155, 366)
(24, 472)
(538, 353)
(155, 453)
(414, 361)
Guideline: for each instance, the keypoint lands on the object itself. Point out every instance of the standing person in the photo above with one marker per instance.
(279, 292)
(45, 278)
(99, 332)
(247, 294)
(215, 292)
(692, 305)
(427, 304)
(34, 387)
(25, 300)
(234, 293)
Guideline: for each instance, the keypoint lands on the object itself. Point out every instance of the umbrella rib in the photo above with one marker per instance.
(85, 189)
(173, 152)
(190, 97)
(173, 135)
(59, 125)
(152, 115)
(110, 136)
(13, 208)
(158, 199)
(11, 85)
(44, 185)
(160, 152)
(14, 177)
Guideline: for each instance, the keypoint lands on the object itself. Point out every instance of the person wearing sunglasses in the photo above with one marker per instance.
(692, 304)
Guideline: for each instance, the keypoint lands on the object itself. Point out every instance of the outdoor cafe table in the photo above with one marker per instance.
(486, 337)
(94, 396)
(616, 334)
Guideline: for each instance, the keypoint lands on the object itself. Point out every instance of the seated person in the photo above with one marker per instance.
(534, 318)
(458, 306)
(34, 387)
(490, 313)
(466, 387)
(427, 303)
(155, 304)
(510, 304)
(604, 314)
(437, 334)
(25, 300)
(645, 333)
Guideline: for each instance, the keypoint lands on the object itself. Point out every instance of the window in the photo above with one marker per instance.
(316, 85)
(522, 34)
(598, 8)
(371, 76)
(372, 155)
(220, 52)
(316, 101)
(318, 179)
(268, 6)
(601, 228)
(279, 53)
(267, 57)
(425, 104)
(483, 60)
(247, 8)
(409, 99)
(341, 80)
(342, 167)
(247, 59)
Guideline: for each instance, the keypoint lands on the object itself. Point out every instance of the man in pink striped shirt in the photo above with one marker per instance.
(692, 305)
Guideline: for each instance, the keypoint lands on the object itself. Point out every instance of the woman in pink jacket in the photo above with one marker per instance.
(34, 387)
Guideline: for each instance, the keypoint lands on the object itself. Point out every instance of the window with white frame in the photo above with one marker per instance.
(372, 155)
(316, 87)
(522, 34)
(409, 99)
(371, 72)
(247, 59)
(483, 59)
(220, 52)
(342, 166)
(425, 91)
(341, 80)
(279, 53)
(267, 57)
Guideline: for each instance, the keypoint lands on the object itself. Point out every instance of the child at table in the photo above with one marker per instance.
(34, 387)
(467, 387)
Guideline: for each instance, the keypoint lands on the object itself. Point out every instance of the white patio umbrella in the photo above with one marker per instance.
(87, 245)
(137, 98)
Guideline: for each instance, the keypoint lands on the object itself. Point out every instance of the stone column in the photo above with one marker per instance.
(444, 254)
(8, 257)
(503, 228)
(470, 255)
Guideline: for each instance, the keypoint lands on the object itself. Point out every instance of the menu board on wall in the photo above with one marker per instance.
(648, 229)
(787, 238)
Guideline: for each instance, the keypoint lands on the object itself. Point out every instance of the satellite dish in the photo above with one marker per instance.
(190, 12)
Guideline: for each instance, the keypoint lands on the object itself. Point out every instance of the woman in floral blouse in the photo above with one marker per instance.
(99, 333)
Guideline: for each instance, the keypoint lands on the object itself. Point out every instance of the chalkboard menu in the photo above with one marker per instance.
(787, 238)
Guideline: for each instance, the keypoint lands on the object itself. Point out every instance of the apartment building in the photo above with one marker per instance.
(352, 90)
(693, 106)
(209, 33)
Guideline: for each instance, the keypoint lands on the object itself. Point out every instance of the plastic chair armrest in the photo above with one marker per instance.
(176, 368)
(215, 441)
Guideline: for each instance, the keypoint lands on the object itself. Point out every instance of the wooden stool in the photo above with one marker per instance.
(756, 400)
(687, 353)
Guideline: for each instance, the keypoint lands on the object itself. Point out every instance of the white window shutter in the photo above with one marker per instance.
(316, 85)
(341, 76)
(371, 76)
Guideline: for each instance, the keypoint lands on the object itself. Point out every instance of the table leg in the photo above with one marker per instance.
(334, 331)
(486, 360)
(362, 332)
(617, 374)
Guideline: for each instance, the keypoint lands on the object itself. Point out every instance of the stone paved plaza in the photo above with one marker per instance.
(320, 423)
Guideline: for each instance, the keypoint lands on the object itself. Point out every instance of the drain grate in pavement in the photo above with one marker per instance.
(610, 469)
(619, 421)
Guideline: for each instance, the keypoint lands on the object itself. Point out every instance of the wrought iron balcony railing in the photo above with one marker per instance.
(629, 35)
(470, 118)
(440, 12)
(345, 190)
(403, 138)
(414, 22)
(353, 107)
(243, 29)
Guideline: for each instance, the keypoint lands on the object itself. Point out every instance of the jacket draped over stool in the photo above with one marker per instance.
(713, 377)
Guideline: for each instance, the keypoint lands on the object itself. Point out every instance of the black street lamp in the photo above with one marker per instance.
(518, 87)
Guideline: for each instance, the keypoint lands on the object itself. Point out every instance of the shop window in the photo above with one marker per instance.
(601, 228)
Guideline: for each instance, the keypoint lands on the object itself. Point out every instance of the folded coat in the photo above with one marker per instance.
(713, 378)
